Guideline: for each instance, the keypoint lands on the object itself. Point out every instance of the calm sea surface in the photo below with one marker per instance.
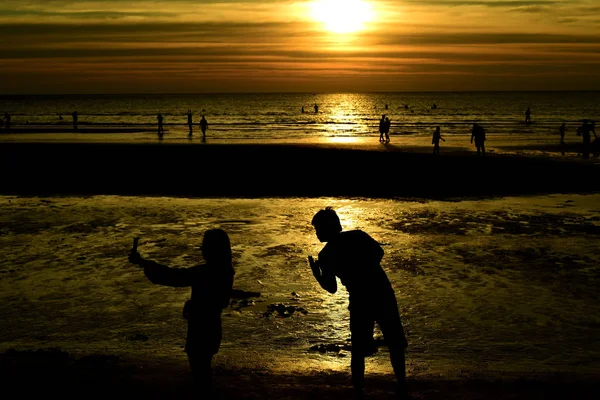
(279, 115)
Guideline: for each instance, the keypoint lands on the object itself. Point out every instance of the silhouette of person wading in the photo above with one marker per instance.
(478, 133)
(203, 126)
(212, 285)
(354, 257)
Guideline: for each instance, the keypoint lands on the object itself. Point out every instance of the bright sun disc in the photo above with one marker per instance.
(342, 16)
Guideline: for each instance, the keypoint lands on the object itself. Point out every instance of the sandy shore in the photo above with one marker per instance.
(52, 372)
(287, 169)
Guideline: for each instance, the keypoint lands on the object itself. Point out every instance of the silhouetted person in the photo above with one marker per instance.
(435, 141)
(6, 121)
(354, 257)
(386, 130)
(478, 133)
(211, 285)
(528, 115)
(433, 106)
(75, 118)
(406, 106)
(302, 109)
(386, 106)
(316, 108)
(382, 128)
(161, 129)
(562, 131)
(203, 126)
(189, 121)
(586, 128)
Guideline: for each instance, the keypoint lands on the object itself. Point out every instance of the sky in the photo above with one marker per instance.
(185, 46)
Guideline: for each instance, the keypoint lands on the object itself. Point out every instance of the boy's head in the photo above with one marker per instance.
(327, 224)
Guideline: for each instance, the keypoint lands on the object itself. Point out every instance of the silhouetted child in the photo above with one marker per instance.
(478, 133)
(436, 141)
(316, 108)
(562, 131)
(203, 126)
(211, 285)
(354, 257)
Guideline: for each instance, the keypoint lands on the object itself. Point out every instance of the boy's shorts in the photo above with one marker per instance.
(362, 323)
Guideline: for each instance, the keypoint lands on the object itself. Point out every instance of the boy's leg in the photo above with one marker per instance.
(393, 333)
(361, 332)
(200, 365)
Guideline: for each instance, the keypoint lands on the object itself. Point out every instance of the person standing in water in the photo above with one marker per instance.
(437, 136)
(203, 126)
(355, 258)
(478, 133)
(189, 121)
(161, 130)
(528, 115)
(75, 119)
(562, 131)
(212, 286)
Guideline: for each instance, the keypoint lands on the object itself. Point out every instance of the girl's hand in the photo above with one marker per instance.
(135, 258)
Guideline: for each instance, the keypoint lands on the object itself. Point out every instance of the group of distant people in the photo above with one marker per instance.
(203, 125)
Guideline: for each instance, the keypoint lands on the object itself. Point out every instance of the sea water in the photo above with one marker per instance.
(280, 115)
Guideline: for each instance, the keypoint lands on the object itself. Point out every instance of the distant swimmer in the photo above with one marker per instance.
(528, 115)
(316, 108)
(406, 106)
(433, 106)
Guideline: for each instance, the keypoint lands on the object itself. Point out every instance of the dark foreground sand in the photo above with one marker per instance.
(273, 170)
(51, 372)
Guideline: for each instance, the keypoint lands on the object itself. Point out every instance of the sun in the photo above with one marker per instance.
(342, 16)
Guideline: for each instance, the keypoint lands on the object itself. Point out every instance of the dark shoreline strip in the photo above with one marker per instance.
(272, 170)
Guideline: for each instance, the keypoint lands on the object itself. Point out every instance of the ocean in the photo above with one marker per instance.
(279, 115)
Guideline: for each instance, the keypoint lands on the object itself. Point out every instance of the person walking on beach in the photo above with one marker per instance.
(189, 121)
(161, 130)
(386, 129)
(354, 257)
(382, 128)
(203, 126)
(75, 118)
(585, 129)
(478, 133)
(212, 285)
(528, 115)
(6, 121)
(562, 131)
(435, 141)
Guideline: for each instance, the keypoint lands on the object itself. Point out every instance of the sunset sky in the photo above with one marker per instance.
(146, 46)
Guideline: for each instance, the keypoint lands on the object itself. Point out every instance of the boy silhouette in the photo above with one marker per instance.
(354, 257)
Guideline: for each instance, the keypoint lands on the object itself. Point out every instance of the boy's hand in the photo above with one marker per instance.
(135, 258)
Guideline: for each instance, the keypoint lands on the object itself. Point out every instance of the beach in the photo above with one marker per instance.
(507, 239)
